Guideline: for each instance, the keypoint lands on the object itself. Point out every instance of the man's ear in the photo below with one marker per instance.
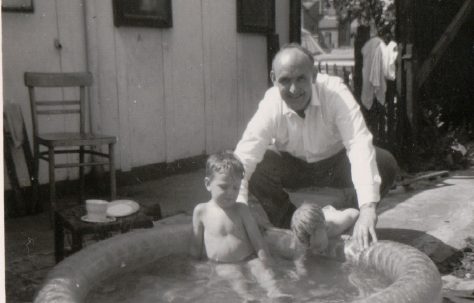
(207, 183)
(272, 76)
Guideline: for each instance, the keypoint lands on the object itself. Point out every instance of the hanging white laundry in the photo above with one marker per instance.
(390, 57)
(373, 79)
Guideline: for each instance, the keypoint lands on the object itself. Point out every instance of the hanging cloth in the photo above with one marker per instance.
(390, 57)
(373, 78)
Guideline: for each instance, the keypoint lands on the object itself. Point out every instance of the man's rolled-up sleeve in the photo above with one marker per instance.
(254, 142)
(357, 140)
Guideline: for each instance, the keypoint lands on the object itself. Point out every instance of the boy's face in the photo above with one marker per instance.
(224, 188)
(318, 241)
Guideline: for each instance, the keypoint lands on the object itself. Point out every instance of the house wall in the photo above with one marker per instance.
(167, 94)
(28, 45)
(282, 21)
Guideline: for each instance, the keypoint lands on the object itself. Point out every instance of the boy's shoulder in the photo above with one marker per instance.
(201, 206)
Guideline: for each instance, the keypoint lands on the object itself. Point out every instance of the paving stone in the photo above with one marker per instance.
(456, 283)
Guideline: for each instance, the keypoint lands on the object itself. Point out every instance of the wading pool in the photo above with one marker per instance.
(151, 265)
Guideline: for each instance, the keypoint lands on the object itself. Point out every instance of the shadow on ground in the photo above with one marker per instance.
(412, 237)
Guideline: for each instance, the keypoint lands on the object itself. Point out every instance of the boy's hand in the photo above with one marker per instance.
(265, 257)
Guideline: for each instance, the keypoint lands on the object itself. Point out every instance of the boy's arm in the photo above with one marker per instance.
(198, 233)
(300, 267)
(339, 220)
(256, 238)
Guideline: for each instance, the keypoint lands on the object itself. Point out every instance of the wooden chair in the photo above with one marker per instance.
(80, 142)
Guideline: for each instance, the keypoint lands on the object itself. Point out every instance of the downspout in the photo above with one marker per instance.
(92, 65)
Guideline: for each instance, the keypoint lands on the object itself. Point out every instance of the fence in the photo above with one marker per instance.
(384, 121)
(346, 72)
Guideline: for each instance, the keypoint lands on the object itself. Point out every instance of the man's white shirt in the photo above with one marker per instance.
(333, 121)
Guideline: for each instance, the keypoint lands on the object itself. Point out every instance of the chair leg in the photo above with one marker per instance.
(52, 185)
(81, 176)
(113, 184)
(33, 206)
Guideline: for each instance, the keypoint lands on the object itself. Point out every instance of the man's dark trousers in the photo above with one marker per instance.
(280, 170)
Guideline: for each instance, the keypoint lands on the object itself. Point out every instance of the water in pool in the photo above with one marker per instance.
(177, 278)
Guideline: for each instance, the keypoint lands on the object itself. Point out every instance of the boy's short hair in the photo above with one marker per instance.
(225, 163)
(305, 220)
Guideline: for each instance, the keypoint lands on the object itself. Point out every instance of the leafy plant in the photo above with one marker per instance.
(381, 12)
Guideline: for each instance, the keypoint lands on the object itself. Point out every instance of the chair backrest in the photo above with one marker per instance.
(58, 107)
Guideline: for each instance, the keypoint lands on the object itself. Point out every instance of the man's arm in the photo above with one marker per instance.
(365, 225)
(255, 140)
(198, 233)
(361, 153)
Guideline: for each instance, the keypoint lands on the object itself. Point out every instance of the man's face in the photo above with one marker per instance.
(293, 74)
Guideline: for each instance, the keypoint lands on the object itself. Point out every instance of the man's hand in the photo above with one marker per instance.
(365, 225)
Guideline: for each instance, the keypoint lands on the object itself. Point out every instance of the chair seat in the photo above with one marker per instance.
(74, 139)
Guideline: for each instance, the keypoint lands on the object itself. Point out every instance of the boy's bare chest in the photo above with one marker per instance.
(225, 223)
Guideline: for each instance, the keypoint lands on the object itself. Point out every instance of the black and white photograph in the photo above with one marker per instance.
(209, 151)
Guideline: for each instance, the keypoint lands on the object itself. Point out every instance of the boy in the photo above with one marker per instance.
(313, 230)
(314, 226)
(228, 231)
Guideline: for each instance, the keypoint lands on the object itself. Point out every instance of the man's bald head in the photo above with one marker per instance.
(286, 49)
(293, 72)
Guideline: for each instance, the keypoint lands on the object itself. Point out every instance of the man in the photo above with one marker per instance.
(309, 131)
